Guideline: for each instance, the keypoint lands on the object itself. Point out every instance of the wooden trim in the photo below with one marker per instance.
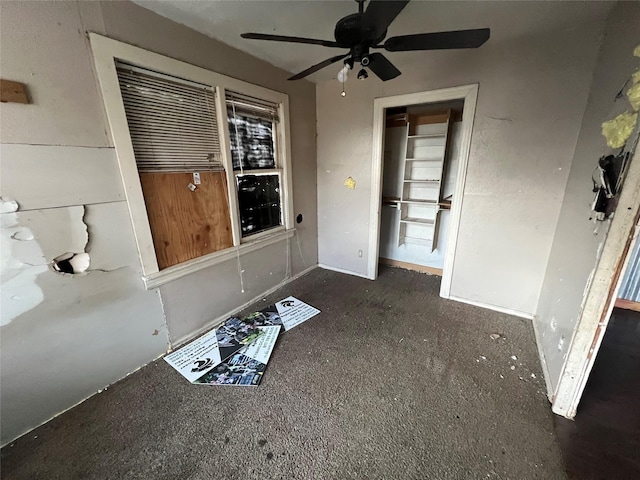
(627, 304)
(411, 266)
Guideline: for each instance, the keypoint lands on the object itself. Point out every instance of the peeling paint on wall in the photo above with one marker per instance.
(24, 256)
(20, 293)
(8, 206)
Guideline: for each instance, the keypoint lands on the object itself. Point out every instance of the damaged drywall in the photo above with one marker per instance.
(8, 206)
(19, 292)
(60, 316)
(71, 263)
(23, 256)
(576, 248)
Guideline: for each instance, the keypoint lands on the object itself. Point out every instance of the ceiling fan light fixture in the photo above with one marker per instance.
(343, 74)
(362, 74)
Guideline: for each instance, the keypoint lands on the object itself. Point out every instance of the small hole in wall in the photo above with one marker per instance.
(71, 263)
(299, 218)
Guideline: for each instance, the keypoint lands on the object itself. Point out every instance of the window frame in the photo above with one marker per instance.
(276, 170)
(106, 52)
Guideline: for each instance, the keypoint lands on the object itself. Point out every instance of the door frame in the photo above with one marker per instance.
(467, 93)
(601, 295)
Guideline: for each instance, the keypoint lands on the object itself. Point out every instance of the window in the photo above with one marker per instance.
(252, 124)
(204, 159)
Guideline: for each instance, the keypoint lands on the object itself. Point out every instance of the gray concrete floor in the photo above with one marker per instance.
(388, 382)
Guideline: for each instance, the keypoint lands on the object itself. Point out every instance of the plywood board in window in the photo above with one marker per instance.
(187, 224)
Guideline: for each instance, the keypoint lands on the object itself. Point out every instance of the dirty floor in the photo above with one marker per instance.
(604, 440)
(388, 382)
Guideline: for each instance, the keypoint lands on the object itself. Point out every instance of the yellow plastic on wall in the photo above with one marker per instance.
(633, 94)
(618, 130)
(350, 183)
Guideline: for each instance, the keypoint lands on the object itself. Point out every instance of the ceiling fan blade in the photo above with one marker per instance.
(438, 41)
(382, 67)
(318, 66)
(285, 38)
(380, 13)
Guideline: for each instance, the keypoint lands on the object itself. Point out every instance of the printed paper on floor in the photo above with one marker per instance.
(235, 353)
(246, 367)
(197, 357)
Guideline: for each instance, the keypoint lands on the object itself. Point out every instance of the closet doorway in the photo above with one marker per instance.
(418, 179)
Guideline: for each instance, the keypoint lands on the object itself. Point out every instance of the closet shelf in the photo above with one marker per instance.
(418, 241)
(418, 213)
(427, 159)
(419, 201)
(428, 135)
(418, 221)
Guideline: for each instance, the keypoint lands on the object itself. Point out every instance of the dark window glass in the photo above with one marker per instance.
(251, 141)
(259, 202)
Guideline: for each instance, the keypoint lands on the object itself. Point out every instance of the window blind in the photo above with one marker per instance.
(172, 122)
(251, 106)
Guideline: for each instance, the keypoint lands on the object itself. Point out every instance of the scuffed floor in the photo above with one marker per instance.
(388, 382)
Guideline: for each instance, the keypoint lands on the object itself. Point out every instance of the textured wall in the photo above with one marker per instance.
(64, 337)
(578, 240)
(533, 90)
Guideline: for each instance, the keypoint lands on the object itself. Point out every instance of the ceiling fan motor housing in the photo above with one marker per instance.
(353, 30)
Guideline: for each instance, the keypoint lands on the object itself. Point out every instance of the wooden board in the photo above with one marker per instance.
(627, 304)
(428, 119)
(186, 224)
(14, 92)
(396, 120)
(411, 266)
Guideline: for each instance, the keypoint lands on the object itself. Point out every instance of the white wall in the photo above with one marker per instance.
(533, 89)
(65, 337)
(578, 240)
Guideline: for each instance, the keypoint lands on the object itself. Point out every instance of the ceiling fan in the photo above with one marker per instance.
(362, 31)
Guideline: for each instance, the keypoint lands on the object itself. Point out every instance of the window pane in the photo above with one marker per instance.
(251, 141)
(259, 202)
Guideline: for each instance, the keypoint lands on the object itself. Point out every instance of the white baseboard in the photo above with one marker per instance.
(186, 338)
(342, 270)
(509, 311)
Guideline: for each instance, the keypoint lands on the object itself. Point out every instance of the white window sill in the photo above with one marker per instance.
(170, 274)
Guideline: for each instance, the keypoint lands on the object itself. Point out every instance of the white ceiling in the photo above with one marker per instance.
(225, 20)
